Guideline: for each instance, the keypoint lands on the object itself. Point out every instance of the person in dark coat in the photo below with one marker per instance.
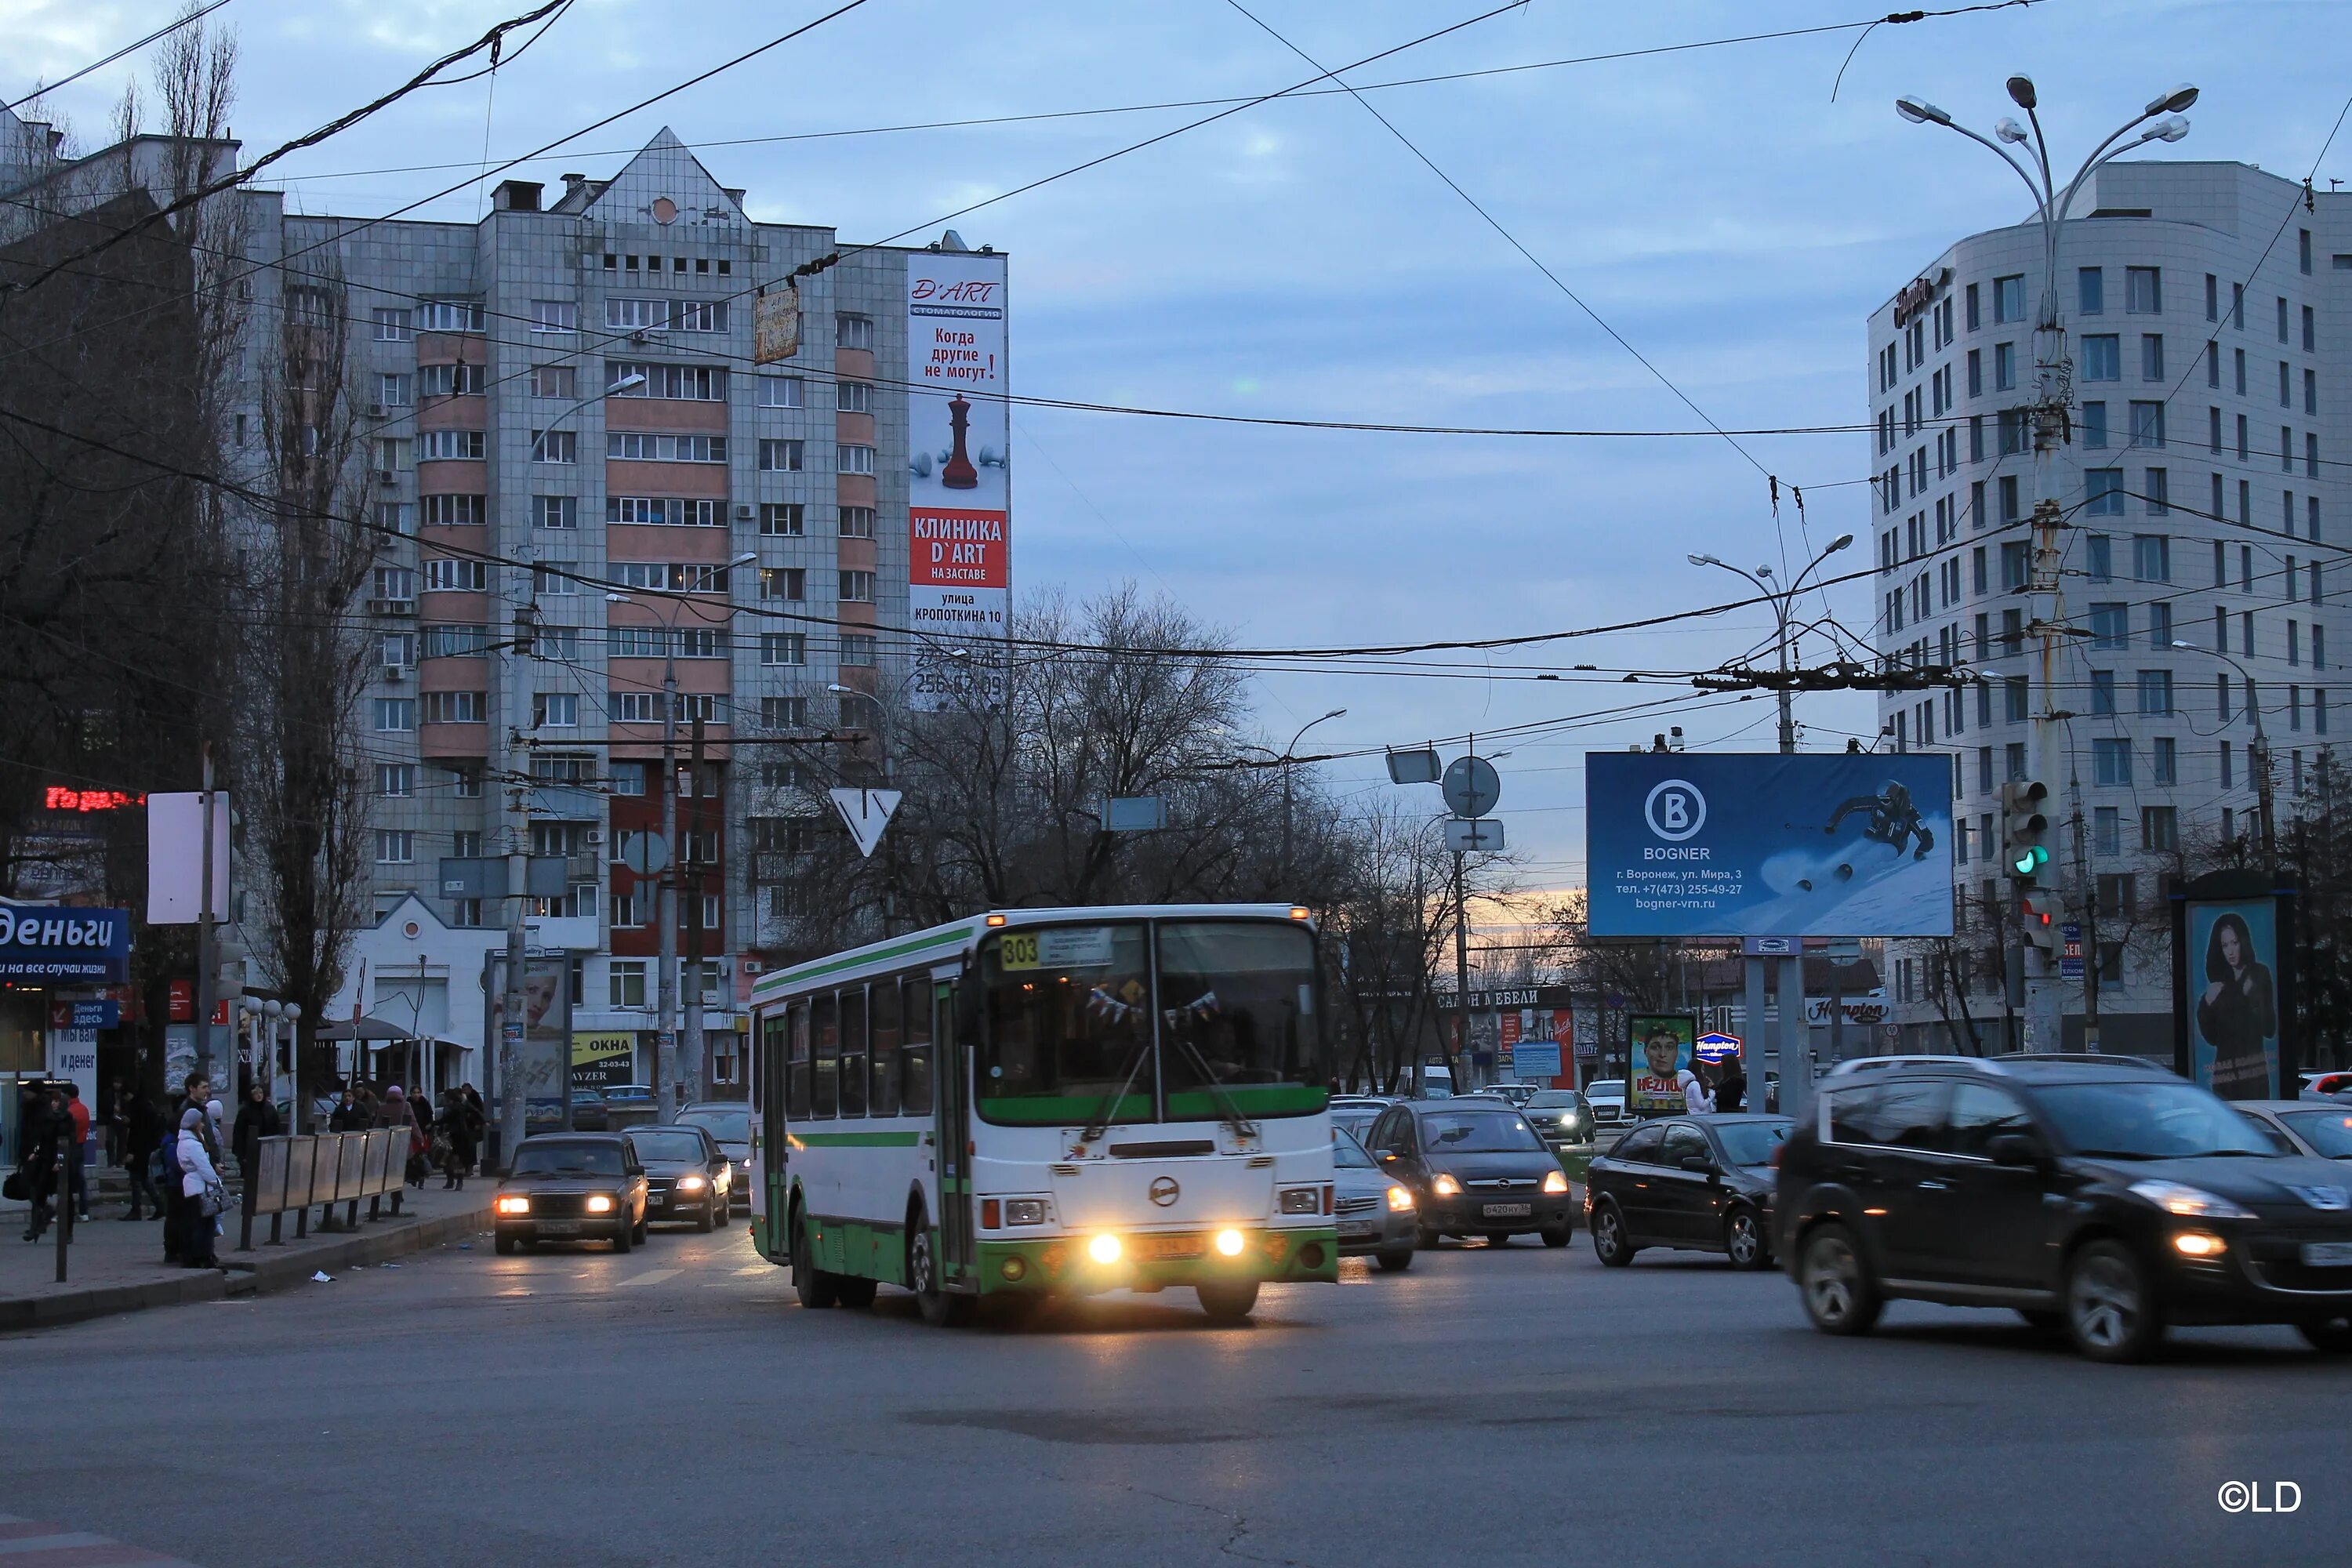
(256, 1119)
(142, 1130)
(462, 1126)
(43, 1136)
(1731, 1088)
(347, 1116)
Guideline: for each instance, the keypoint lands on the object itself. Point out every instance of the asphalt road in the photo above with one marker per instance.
(676, 1406)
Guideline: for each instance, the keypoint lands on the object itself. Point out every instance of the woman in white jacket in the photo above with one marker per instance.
(198, 1176)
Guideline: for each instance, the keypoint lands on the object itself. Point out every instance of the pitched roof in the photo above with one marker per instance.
(665, 178)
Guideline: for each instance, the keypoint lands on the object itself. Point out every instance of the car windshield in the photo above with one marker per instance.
(727, 1126)
(1347, 1155)
(567, 1159)
(2329, 1132)
(1554, 1099)
(2148, 1120)
(1606, 1088)
(652, 1144)
(1478, 1133)
(1751, 1142)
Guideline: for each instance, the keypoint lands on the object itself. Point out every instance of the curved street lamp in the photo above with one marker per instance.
(1783, 603)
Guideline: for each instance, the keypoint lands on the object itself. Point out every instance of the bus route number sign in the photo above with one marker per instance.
(1061, 947)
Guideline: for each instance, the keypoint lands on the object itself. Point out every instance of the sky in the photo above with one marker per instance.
(1732, 222)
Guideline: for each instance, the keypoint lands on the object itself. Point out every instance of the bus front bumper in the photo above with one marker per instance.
(1065, 1265)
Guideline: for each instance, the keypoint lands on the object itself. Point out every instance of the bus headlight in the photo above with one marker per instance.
(1024, 1211)
(1104, 1248)
(1302, 1200)
(1229, 1243)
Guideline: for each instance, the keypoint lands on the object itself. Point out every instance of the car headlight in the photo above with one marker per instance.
(1445, 1186)
(1555, 1181)
(2178, 1197)
(599, 1202)
(514, 1205)
(691, 1184)
(1400, 1201)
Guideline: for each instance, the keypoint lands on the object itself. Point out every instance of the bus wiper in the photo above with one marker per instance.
(1099, 1122)
(1229, 1111)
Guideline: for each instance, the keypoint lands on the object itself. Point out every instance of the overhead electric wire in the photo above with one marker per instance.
(104, 60)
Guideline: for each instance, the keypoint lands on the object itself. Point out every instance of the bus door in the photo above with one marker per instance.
(952, 1110)
(770, 1161)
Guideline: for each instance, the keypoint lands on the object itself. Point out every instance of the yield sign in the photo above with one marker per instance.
(866, 812)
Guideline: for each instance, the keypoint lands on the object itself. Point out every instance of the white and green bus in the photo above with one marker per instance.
(1048, 1101)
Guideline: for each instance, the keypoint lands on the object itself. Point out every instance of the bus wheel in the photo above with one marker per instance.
(813, 1284)
(854, 1290)
(941, 1307)
(1228, 1302)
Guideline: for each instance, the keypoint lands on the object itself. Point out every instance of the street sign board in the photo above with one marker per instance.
(1134, 813)
(1414, 767)
(1472, 786)
(1715, 1047)
(1474, 838)
(647, 854)
(2070, 953)
(1760, 844)
(865, 811)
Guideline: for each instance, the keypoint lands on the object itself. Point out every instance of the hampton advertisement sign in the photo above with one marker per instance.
(959, 441)
(1691, 845)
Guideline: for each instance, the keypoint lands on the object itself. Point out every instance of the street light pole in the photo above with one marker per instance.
(1783, 603)
(2053, 397)
(1289, 761)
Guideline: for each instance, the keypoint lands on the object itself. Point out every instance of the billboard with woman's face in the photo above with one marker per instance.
(2232, 996)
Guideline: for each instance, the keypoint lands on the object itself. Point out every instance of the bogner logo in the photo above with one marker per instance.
(2335, 1200)
(1164, 1191)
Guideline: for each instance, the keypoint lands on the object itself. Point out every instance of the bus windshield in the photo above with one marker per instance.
(1071, 1037)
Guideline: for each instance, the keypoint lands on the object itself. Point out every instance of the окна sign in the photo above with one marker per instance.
(46, 943)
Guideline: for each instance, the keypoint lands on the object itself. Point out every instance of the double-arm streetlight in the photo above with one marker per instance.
(1289, 763)
(2259, 762)
(1783, 602)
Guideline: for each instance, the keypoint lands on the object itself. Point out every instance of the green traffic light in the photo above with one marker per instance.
(2029, 860)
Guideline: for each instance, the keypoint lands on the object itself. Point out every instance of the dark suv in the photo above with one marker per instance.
(2103, 1195)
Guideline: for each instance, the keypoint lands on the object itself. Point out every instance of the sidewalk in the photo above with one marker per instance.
(116, 1266)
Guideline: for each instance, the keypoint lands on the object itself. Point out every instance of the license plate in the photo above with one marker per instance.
(1359, 1227)
(2327, 1254)
(1170, 1246)
(1508, 1211)
(558, 1227)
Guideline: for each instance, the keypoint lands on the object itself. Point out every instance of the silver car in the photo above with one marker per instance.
(1607, 1097)
(1376, 1215)
(1559, 1116)
(2303, 1126)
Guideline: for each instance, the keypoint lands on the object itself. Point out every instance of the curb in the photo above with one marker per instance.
(242, 1276)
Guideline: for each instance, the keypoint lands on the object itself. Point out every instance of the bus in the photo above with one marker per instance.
(1049, 1102)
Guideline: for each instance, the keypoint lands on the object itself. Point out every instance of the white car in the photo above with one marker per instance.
(1607, 1098)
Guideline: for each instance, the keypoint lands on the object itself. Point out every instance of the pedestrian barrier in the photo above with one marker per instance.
(290, 1174)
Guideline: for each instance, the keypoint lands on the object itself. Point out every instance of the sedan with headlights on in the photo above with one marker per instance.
(1376, 1215)
(572, 1186)
(1474, 1167)
(686, 1178)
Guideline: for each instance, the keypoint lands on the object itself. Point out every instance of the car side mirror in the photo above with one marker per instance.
(1388, 1157)
(1698, 1164)
(2015, 1149)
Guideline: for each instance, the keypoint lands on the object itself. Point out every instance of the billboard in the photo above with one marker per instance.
(547, 1034)
(1747, 844)
(2233, 986)
(958, 444)
(1662, 1046)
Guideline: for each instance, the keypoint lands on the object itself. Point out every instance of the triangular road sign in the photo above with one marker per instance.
(865, 811)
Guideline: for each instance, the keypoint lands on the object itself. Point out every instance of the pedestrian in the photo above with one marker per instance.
(345, 1117)
(201, 1195)
(142, 1130)
(172, 1169)
(464, 1129)
(77, 1163)
(256, 1119)
(114, 1122)
(42, 1130)
(1696, 1099)
(1731, 1086)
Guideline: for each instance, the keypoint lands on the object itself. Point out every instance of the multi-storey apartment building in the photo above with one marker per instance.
(2208, 314)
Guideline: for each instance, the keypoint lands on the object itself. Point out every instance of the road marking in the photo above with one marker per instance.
(753, 1270)
(650, 1276)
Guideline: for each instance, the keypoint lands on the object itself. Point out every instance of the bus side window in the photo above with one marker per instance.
(883, 1002)
(853, 1051)
(825, 1100)
(797, 1069)
(915, 1056)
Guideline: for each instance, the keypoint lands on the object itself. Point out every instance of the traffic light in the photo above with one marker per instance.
(2037, 913)
(2024, 829)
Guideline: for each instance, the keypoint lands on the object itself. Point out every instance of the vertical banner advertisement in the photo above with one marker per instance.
(959, 442)
(546, 1055)
(1662, 1045)
(2233, 986)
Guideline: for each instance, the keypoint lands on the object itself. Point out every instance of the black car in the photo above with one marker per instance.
(729, 1123)
(1705, 1182)
(1474, 1167)
(2101, 1196)
(686, 1178)
(572, 1186)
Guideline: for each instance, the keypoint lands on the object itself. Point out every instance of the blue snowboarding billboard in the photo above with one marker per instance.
(1757, 844)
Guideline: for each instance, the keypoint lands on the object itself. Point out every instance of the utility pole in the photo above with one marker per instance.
(2090, 908)
(205, 916)
(666, 1036)
(1460, 1052)
(691, 1088)
(511, 1022)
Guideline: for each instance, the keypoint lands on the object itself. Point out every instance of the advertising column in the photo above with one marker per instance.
(959, 437)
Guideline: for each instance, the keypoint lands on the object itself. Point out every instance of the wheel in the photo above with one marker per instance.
(2111, 1308)
(1229, 1302)
(1839, 1295)
(2042, 1318)
(624, 1237)
(854, 1290)
(941, 1309)
(1610, 1243)
(1426, 1238)
(726, 1216)
(814, 1287)
(637, 1231)
(705, 1220)
(2331, 1336)
(1396, 1261)
(505, 1245)
(1743, 1239)
(1558, 1234)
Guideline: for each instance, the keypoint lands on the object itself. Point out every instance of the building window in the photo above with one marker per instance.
(851, 332)
(2155, 691)
(449, 316)
(853, 458)
(856, 649)
(628, 909)
(2106, 830)
(2103, 691)
(701, 315)
(2009, 299)
(394, 846)
(2110, 624)
(784, 712)
(2009, 512)
(646, 447)
(858, 587)
(2165, 759)
(456, 707)
(783, 583)
(449, 381)
(2098, 559)
(2151, 356)
(857, 522)
(2005, 367)
(2105, 489)
(2212, 298)
(454, 510)
(555, 380)
(466, 783)
(2159, 831)
(2159, 625)
(780, 392)
(394, 780)
(2094, 427)
(2014, 699)
(555, 511)
(636, 315)
(670, 383)
(447, 445)
(393, 391)
(786, 519)
(554, 315)
(2092, 290)
(2111, 761)
(1976, 316)
(2156, 490)
(625, 983)
(2152, 557)
(781, 456)
(397, 517)
(665, 512)
(783, 648)
(393, 324)
(447, 575)
(853, 397)
(555, 710)
(2143, 290)
(2103, 357)
(397, 649)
